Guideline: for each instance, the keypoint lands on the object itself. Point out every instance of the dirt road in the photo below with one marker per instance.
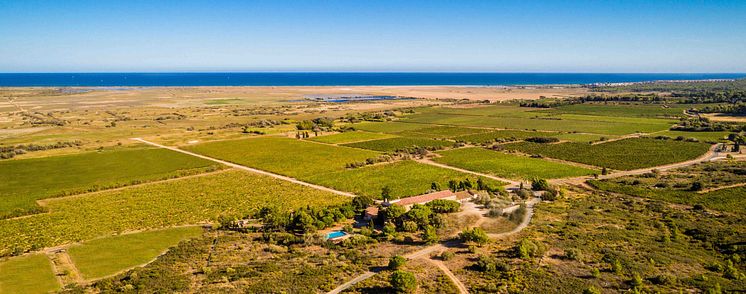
(246, 168)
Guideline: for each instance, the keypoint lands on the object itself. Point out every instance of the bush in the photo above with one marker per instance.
(475, 235)
(396, 262)
(409, 226)
(446, 255)
(591, 290)
(429, 236)
(573, 254)
(526, 249)
(489, 265)
(539, 185)
(595, 273)
(403, 282)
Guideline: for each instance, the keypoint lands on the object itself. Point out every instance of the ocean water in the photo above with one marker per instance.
(332, 79)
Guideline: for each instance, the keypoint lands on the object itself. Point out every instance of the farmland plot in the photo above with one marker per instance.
(27, 180)
(624, 154)
(350, 137)
(27, 274)
(508, 166)
(157, 205)
(400, 143)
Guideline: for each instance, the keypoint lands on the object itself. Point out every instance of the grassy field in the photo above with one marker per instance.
(624, 154)
(284, 156)
(27, 274)
(103, 257)
(156, 205)
(27, 180)
(405, 178)
(400, 143)
(508, 166)
(350, 137)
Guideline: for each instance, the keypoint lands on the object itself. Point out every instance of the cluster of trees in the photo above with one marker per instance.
(735, 109)
(7, 152)
(370, 161)
(467, 184)
(424, 219)
(542, 140)
(372, 116)
(703, 124)
(548, 103)
(316, 124)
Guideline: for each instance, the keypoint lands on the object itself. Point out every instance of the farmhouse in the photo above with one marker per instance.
(422, 199)
(371, 213)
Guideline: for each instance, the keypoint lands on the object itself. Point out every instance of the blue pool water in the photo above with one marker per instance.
(335, 234)
(335, 78)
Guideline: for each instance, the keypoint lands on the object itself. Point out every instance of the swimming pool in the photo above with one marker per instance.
(335, 234)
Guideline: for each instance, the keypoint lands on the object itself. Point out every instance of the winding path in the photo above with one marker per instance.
(246, 168)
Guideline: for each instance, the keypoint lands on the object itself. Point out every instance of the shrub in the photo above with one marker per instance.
(573, 254)
(539, 185)
(429, 236)
(526, 249)
(446, 255)
(403, 282)
(396, 262)
(591, 290)
(595, 273)
(409, 226)
(489, 265)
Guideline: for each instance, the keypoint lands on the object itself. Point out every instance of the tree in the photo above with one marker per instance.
(396, 262)
(604, 171)
(481, 185)
(434, 186)
(420, 214)
(394, 213)
(444, 206)
(304, 222)
(475, 235)
(362, 202)
(452, 185)
(696, 186)
(403, 282)
(386, 193)
(429, 235)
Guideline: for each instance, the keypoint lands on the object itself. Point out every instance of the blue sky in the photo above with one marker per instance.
(492, 36)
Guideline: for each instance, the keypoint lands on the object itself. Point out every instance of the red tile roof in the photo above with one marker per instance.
(424, 198)
(371, 210)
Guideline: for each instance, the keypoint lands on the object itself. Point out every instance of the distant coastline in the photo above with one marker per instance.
(193, 79)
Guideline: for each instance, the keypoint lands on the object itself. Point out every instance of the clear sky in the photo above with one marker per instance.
(347, 35)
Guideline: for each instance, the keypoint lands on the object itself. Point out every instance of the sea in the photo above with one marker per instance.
(173, 79)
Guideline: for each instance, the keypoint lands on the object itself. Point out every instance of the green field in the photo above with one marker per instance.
(157, 205)
(701, 136)
(442, 132)
(350, 137)
(508, 166)
(399, 143)
(106, 256)
(405, 178)
(290, 157)
(387, 127)
(627, 110)
(27, 180)
(581, 138)
(27, 274)
(502, 135)
(624, 154)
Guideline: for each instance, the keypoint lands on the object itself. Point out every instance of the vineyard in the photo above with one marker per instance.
(442, 132)
(508, 166)
(290, 157)
(617, 154)
(106, 256)
(400, 143)
(350, 137)
(27, 180)
(405, 178)
(156, 205)
(501, 135)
